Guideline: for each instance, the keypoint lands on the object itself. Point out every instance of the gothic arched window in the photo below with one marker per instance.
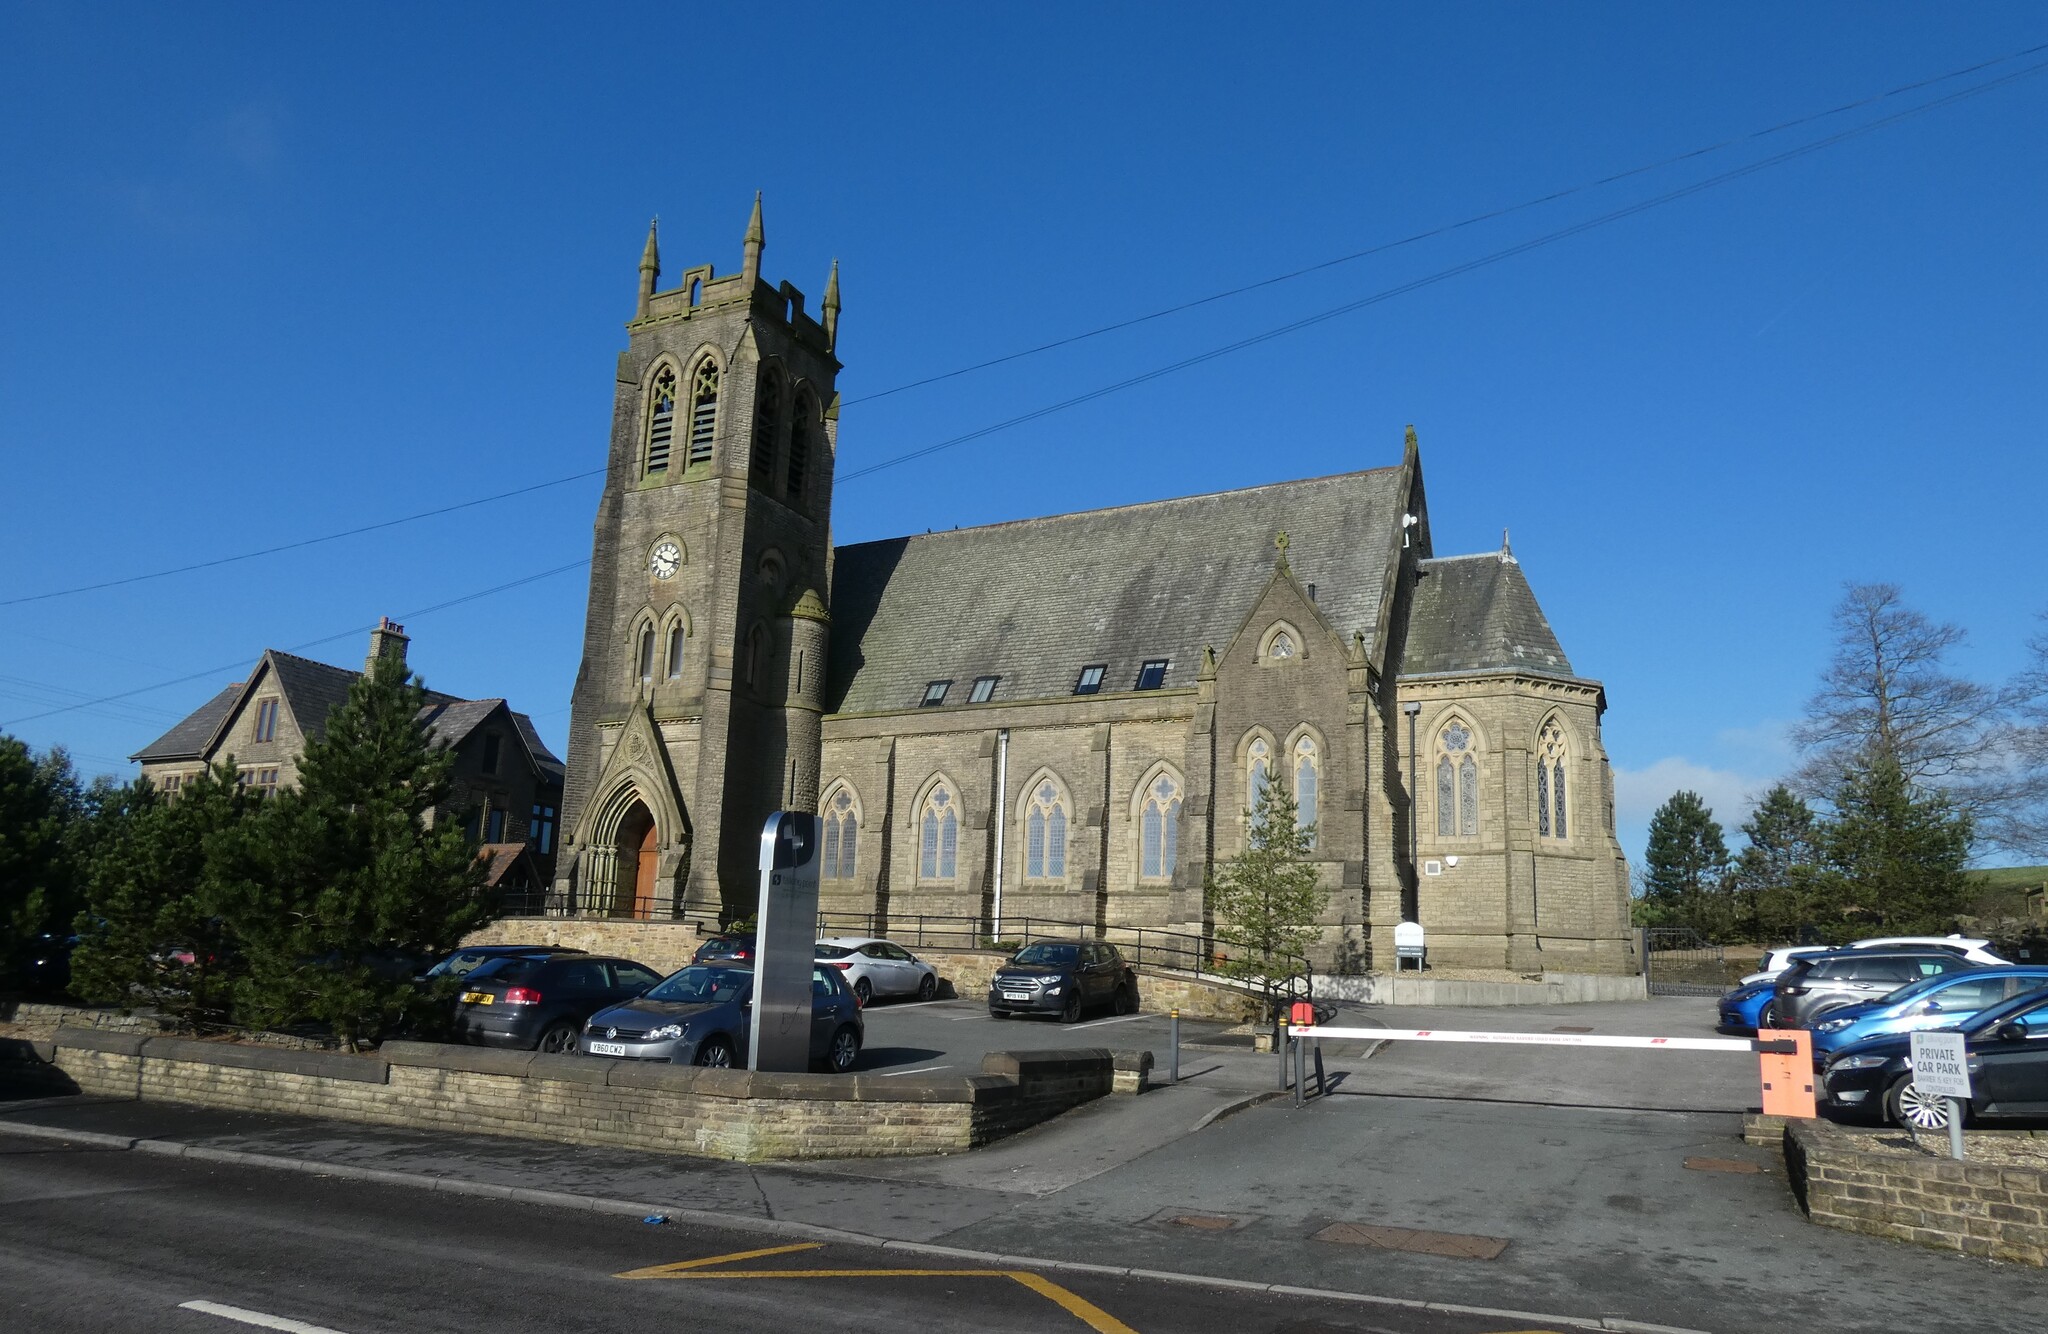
(661, 421)
(939, 836)
(757, 658)
(1457, 783)
(802, 427)
(703, 411)
(1258, 761)
(675, 649)
(1045, 834)
(767, 424)
(1308, 771)
(842, 836)
(1550, 785)
(1159, 830)
(646, 653)
(1282, 646)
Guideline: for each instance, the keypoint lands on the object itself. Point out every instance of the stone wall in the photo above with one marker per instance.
(1414, 989)
(731, 1114)
(662, 946)
(1855, 1182)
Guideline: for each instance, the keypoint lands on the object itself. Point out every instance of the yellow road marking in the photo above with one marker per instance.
(668, 1271)
(1087, 1312)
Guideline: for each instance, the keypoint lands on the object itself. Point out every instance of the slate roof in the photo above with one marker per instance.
(1478, 613)
(1036, 600)
(187, 741)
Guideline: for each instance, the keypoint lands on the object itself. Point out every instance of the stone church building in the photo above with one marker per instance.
(1064, 717)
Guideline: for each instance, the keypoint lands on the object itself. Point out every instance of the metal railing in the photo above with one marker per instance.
(1679, 961)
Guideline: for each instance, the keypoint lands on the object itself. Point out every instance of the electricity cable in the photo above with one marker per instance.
(1441, 275)
(311, 643)
(1447, 228)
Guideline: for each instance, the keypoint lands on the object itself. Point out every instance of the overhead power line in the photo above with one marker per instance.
(1447, 228)
(295, 648)
(1441, 275)
(300, 544)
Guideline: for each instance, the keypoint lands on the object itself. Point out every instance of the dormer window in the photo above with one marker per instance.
(984, 689)
(935, 693)
(1152, 675)
(1090, 681)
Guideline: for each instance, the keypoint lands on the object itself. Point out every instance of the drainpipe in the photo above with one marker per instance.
(1414, 907)
(1001, 815)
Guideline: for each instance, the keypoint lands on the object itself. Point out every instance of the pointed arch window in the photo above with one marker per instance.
(675, 650)
(703, 411)
(842, 837)
(767, 423)
(1457, 782)
(939, 836)
(661, 421)
(800, 433)
(646, 653)
(1551, 753)
(1159, 830)
(1282, 646)
(1308, 774)
(1258, 770)
(757, 657)
(1045, 834)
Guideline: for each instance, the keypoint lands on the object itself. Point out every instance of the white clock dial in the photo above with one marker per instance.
(666, 560)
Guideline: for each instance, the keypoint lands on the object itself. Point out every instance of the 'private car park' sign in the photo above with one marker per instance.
(1941, 1069)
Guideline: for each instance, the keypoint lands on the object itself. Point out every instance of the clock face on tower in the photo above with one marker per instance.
(665, 560)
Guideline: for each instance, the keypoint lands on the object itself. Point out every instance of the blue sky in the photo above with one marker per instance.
(271, 272)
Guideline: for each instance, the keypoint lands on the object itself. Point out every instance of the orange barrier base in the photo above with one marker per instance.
(1787, 1076)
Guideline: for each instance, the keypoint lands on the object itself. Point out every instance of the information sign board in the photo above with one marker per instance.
(1940, 1067)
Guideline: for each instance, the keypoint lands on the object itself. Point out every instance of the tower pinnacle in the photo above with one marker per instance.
(650, 269)
(751, 265)
(831, 309)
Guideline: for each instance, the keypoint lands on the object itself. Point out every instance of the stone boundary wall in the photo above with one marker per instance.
(1410, 989)
(1844, 1181)
(731, 1114)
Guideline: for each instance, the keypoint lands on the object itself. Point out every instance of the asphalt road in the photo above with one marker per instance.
(94, 1241)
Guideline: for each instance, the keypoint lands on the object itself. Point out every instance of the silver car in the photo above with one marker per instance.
(699, 1016)
(1820, 983)
(875, 967)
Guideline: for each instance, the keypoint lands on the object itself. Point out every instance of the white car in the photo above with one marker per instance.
(876, 967)
(1778, 960)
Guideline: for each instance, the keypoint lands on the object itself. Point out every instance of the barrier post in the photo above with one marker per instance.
(1300, 1048)
(1173, 1035)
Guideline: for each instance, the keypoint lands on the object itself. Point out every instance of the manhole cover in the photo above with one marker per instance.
(1206, 1222)
(1200, 1220)
(1722, 1165)
(1459, 1245)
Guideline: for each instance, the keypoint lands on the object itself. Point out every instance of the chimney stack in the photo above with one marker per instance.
(387, 644)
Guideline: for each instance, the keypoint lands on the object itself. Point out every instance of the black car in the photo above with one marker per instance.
(1063, 977)
(532, 1001)
(732, 949)
(2008, 1059)
(469, 958)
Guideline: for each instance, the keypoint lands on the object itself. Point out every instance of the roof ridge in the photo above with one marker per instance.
(1133, 505)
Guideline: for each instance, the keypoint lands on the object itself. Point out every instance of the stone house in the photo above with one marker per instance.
(1064, 717)
(507, 785)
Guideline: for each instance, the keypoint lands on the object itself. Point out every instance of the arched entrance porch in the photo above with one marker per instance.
(636, 845)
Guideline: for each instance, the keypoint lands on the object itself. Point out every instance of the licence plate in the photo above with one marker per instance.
(607, 1049)
(1017, 995)
(476, 998)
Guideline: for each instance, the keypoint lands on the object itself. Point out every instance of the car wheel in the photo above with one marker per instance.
(714, 1052)
(1768, 1016)
(1907, 1106)
(927, 987)
(560, 1039)
(863, 992)
(845, 1050)
(1124, 1003)
(1071, 1011)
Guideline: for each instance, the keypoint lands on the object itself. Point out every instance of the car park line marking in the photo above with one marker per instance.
(1119, 1019)
(680, 1266)
(1075, 1305)
(921, 1070)
(256, 1318)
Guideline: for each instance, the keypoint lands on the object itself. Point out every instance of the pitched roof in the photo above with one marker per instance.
(1036, 600)
(312, 689)
(544, 757)
(449, 721)
(188, 740)
(1478, 613)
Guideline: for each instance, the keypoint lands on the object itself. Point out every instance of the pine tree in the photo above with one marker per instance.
(1266, 900)
(150, 906)
(335, 883)
(1684, 866)
(1895, 853)
(37, 876)
(1776, 867)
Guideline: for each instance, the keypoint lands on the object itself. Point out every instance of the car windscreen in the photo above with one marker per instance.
(1048, 956)
(700, 984)
(2030, 1010)
(832, 951)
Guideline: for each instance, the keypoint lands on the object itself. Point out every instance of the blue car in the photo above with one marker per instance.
(1742, 1009)
(1935, 1002)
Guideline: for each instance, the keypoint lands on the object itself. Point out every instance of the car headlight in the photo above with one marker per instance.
(665, 1032)
(1859, 1063)
(1053, 990)
(1832, 1025)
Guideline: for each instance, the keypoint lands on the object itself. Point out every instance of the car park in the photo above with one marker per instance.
(875, 967)
(1934, 1002)
(1778, 960)
(469, 958)
(540, 1002)
(700, 1016)
(2007, 1051)
(1819, 984)
(1063, 977)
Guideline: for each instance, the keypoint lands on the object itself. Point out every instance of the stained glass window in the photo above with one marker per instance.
(940, 836)
(1159, 831)
(1045, 835)
(1307, 782)
(1550, 784)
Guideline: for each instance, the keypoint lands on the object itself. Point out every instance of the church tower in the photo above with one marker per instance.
(697, 707)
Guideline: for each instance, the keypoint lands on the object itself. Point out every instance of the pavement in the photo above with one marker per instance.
(1566, 1167)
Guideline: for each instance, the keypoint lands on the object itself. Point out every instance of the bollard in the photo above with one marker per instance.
(1300, 1069)
(1173, 1032)
(1280, 1041)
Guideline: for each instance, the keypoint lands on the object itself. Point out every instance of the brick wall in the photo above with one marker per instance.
(731, 1114)
(1849, 1181)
